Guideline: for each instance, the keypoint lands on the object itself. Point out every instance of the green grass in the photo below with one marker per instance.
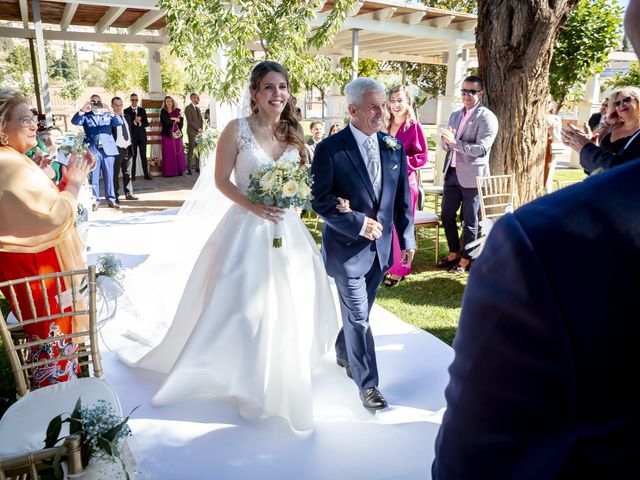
(571, 174)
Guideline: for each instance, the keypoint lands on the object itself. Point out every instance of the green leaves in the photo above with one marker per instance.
(591, 33)
(203, 31)
(631, 77)
(53, 432)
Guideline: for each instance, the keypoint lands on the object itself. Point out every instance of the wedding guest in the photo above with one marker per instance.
(317, 134)
(97, 119)
(402, 125)
(620, 145)
(554, 127)
(599, 116)
(467, 140)
(52, 138)
(122, 136)
(173, 162)
(335, 128)
(194, 127)
(544, 354)
(37, 233)
(139, 124)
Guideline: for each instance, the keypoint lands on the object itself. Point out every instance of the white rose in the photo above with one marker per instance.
(267, 180)
(304, 190)
(290, 188)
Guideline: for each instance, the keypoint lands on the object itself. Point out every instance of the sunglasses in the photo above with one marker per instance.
(469, 92)
(27, 121)
(617, 103)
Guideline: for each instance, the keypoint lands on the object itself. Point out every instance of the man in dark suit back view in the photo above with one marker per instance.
(545, 354)
(140, 122)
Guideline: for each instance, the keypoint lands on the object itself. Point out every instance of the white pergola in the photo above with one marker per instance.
(386, 30)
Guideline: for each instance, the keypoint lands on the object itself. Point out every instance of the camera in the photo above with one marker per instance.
(96, 106)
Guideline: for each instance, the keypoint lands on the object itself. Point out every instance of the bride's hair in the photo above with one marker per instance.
(288, 128)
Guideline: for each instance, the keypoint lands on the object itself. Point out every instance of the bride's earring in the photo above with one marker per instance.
(4, 139)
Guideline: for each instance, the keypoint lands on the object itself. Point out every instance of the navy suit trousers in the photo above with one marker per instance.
(355, 340)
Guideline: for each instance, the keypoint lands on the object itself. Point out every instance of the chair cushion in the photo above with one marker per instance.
(24, 425)
(424, 218)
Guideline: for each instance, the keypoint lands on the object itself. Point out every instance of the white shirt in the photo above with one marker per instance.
(120, 141)
(361, 139)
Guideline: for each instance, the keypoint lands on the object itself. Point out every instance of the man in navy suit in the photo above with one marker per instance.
(97, 120)
(546, 350)
(368, 169)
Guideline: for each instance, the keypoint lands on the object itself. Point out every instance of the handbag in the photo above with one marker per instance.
(176, 134)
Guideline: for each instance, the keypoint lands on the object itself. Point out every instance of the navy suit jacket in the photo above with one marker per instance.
(339, 171)
(593, 157)
(546, 351)
(97, 130)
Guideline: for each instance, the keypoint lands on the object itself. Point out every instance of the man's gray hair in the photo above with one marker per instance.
(355, 90)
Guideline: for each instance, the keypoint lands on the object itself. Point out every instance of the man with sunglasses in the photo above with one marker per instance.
(467, 141)
(139, 124)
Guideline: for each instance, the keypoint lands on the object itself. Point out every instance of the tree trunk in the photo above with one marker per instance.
(515, 40)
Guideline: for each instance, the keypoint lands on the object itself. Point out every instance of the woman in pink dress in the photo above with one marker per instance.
(173, 162)
(405, 128)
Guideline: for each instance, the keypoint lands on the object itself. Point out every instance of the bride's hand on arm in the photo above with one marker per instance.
(226, 153)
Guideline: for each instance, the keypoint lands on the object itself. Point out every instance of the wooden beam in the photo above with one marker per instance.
(379, 55)
(392, 27)
(142, 4)
(379, 15)
(355, 8)
(24, 13)
(84, 36)
(67, 15)
(412, 18)
(466, 26)
(144, 21)
(439, 22)
(108, 18)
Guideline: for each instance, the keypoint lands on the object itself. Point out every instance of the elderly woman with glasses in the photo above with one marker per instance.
(621, 144)
(37, 233)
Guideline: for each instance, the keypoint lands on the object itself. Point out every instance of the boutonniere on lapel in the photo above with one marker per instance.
(391, 143)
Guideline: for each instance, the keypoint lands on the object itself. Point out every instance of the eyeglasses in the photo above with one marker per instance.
(134, 100)
(27, 121)
(469, 92)
(617, 103)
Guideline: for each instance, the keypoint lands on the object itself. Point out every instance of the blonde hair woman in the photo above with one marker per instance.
(402, 125)
(621, 144)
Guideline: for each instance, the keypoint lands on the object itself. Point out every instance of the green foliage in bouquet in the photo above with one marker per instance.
(111, 266)
(101, 433)
(206, 141)
(76, 143)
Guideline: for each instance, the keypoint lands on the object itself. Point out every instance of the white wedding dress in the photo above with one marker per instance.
(253, 320)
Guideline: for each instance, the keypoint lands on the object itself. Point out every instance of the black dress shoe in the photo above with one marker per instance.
(448, 263)
(148, 177)
(131, 197)
(117, 201)
(189, 172)
(113, 205)
(94, 207)
(373, 399)
(345, 364)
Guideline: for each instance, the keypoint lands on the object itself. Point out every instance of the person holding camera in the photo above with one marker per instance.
(97, 120)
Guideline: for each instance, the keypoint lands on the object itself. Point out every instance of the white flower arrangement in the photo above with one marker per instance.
(75, 143)
(283, 184)
(206, 141)
(391, 143)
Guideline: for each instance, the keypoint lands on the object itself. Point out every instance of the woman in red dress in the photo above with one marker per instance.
(37, 232)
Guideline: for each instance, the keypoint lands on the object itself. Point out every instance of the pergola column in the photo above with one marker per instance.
(155, 77)
(221, 113)
(448, 103)
(42, 60)
(591, 98)
(335, 100)
(355, 51)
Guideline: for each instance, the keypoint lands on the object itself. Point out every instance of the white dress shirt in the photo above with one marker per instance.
(361, 139)
(120, 141)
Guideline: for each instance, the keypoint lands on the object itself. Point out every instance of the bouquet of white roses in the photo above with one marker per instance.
(76, 143)
(283, 184)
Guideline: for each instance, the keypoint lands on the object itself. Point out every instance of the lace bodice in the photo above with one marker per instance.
(251, 156)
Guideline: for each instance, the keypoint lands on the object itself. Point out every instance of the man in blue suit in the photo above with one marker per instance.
(546, 351)
(97, 120)
(368, 169)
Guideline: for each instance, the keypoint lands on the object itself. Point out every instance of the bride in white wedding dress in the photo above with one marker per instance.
(253, 320)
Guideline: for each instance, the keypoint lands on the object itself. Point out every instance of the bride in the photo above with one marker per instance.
(253, 320)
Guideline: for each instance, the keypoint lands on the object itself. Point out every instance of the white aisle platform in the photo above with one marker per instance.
(206, 438)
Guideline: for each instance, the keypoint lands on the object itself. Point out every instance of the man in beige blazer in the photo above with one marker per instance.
(194, 127)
